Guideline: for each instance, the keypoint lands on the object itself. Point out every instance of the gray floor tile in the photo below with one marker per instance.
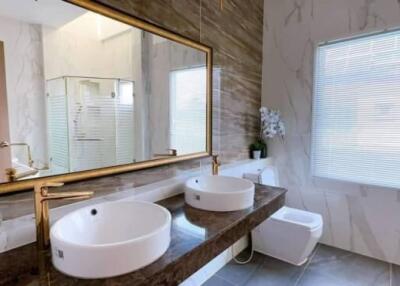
(239, 274)
(217, 281)
(395, 275)
(332, 266)
(274, 272)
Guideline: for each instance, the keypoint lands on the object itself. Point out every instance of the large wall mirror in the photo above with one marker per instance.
(87, 91)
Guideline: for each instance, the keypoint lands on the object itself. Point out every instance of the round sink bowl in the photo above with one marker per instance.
(110, 239)
(219, 193)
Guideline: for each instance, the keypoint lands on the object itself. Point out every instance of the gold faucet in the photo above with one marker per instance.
(171, 153)
(5, 144)
(42, 196)
(11, 174)
(215, 165)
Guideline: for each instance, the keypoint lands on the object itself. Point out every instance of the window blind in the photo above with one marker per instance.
(356, 110)
(188, 110)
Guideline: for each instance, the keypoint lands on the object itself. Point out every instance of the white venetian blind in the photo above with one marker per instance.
(188, 110)
(356, 112)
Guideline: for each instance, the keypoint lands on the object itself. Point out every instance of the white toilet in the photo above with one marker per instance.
(288, 234)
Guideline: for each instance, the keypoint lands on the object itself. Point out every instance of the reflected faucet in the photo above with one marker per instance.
(42, 196)
(171, 153)
(215, 165)
(12, 173)
(5, 144)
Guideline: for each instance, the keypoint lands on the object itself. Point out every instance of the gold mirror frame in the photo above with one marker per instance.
(94, 173)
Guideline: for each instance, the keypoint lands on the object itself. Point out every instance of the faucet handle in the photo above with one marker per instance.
(215, 164)
(174, 152)
(52, 184)
(215, 159)
(41, 187)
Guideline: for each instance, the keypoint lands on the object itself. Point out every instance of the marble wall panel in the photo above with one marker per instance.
(357, 218)
(233, 32)
(179, 16)
(25, 88)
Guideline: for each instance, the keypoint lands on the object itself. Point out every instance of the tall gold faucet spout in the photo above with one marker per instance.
(215, 165)
(68, 196)
(42, 196)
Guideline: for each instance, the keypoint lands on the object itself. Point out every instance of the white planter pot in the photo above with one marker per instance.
(256, 154)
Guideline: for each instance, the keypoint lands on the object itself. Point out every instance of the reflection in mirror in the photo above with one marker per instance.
(84, 91)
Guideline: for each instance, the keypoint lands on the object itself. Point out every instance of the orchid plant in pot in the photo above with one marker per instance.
(271, 126)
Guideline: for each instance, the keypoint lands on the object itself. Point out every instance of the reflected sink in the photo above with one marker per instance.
(219, 193)
(110, 239)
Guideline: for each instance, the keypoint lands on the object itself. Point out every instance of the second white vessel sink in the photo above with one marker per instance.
(110, 239)
(219, 193)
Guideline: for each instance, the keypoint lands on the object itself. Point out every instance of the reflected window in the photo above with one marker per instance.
(126, 93)
(188, 110)
(186, 226)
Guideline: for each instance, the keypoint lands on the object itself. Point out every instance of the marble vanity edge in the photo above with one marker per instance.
(172, 274)
(20, 267)
(20, 231)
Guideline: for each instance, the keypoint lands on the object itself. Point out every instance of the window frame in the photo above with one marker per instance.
(316, 62)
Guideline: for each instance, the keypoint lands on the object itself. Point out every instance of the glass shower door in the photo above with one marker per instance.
(100, 123)
(57, 127)
(91, 122)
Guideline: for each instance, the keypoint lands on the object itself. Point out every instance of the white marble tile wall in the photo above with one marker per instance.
(25, 88)
(358, 218)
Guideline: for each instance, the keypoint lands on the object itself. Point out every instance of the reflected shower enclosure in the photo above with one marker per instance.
(92, 92)
(90, 123)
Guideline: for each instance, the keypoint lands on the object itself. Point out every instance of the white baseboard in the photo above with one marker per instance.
(208, 270)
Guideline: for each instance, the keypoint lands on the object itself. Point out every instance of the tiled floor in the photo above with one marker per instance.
(328, 267)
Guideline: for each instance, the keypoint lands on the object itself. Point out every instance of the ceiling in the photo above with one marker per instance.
(54, 13)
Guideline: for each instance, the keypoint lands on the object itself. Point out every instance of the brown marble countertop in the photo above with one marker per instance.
(197, 237)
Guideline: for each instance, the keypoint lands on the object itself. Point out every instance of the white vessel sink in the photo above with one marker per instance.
(110, 239)
(219, 193)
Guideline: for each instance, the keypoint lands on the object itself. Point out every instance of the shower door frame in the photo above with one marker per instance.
(5, 152)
